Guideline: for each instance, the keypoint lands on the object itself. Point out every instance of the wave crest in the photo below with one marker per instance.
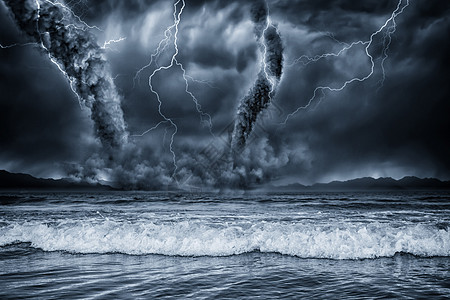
(193, 238)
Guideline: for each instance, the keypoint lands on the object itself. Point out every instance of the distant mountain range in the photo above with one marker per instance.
(18, 181)
(369, 183)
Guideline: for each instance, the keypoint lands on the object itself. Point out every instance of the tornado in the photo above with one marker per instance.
(73, 48)
(260, 95)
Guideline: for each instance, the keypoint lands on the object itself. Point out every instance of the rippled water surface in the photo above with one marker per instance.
(211, 246)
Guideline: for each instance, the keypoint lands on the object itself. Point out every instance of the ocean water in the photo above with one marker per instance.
(142, 245)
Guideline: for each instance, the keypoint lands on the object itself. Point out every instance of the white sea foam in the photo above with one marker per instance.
(192, 238)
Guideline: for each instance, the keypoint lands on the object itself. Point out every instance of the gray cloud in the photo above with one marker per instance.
(398, 129)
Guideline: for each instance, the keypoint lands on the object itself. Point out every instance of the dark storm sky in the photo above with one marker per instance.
(395, 129)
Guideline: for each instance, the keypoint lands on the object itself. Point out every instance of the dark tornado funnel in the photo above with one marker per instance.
(264, 88)
(73, 48)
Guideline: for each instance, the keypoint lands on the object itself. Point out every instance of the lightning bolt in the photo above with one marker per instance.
(66, 8)
(306, 60)
(18, 45)
(269, 78)
(331, 36)
(389, 27)
(163, 43)
(148, 130)
(273, 81)
(207, 82)
(205, 118)
(106, 44)
(84, 26)
(171, 33)
(387, 39)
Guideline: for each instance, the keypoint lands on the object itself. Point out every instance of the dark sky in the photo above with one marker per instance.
(396, 127)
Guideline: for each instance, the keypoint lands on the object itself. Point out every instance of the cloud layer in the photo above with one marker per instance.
(368, 129)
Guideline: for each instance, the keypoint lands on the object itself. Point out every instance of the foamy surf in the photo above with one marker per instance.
(195, 238)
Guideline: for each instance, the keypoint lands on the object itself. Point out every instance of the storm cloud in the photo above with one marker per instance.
(370, 128)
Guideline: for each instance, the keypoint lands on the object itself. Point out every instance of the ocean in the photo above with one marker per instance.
(147, 245)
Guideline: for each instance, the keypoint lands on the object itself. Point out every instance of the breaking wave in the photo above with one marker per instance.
(195, 238)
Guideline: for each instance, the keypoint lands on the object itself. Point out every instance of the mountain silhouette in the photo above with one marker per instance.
(369, 183)
(19, 181)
